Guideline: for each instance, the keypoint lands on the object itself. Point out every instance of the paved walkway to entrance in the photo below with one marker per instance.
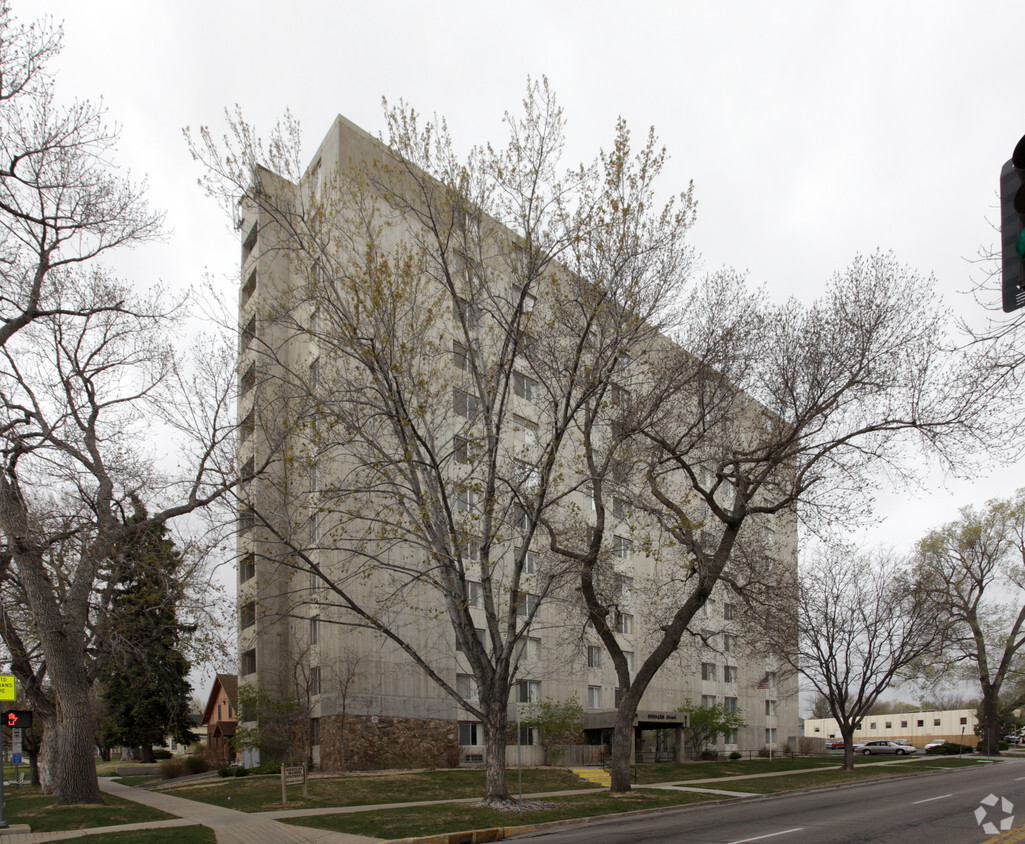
(230, 826)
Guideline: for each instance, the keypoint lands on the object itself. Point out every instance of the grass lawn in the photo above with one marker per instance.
(263, 793)
(39, 812)
(432, 820)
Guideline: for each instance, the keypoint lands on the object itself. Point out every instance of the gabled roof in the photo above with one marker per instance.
(227, 682)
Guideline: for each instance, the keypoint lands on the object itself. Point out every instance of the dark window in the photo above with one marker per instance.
(247, 614)
(248, 379)
(314, 731)
(247, 662)
(247, 567)
(249, 288)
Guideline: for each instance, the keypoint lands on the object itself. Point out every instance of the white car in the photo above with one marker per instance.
(879, 746)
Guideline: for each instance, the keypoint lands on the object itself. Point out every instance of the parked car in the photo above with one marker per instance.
(935, 743)
(834, 744)
(879, 746)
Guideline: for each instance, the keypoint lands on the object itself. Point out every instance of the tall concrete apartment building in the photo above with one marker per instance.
(310, 541)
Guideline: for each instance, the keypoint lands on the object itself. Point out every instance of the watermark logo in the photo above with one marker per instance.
(988, 812)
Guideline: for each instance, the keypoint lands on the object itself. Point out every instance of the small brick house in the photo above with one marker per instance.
(221, 716)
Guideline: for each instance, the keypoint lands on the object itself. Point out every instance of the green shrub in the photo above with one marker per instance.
(736, 754)
(709, 754)
(224, 771)
(950, 748)
(241, 772)
(161, 754)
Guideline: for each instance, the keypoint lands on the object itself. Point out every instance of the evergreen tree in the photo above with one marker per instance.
(145, 693)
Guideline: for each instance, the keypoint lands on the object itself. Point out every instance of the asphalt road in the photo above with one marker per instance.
(936, 808)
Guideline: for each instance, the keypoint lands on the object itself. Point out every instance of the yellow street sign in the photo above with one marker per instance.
(7, 690)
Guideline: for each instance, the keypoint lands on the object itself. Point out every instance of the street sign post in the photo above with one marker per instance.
(8, 691)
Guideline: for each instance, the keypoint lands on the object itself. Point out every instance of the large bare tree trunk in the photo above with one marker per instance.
(47, 760)
(495, 735)
(76, 780)
(990, 738)
(623, 740)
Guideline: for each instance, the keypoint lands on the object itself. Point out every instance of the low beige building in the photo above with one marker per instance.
(956, 725)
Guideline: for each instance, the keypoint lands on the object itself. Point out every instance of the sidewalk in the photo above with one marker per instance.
(230, 826)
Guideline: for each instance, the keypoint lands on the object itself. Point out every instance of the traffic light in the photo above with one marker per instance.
(18, 718)
(1012, 229)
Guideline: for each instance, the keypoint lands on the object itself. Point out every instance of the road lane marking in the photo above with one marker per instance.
(769, 835)
(930, 799)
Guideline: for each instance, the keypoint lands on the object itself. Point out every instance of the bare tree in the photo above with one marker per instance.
(454, 352)
(862, 621)
(974, 572)
(86, 370)
(759, 410)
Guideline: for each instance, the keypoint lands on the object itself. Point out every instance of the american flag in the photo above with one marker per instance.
(765, 683)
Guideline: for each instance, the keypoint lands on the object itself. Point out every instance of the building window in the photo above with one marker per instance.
(459, 356)
(964, 721)
(889, 725)
(466, 686)
(729, 673)
(935, 722)
(315, 680)
(620, 508)
(921, 723)
(621, 547)
(729, 611)
(247, 567)
(593, 656)
(729, 704)
(770, 710)
(247, 614)
(629, 657)
(528, 300)
(871, 726)
(524, 431)
(314, 731)
(526, 387)
(467, 500)
(621, 585)
(316, 581)
(461, 450)
(730, 737)
(247, 662)
(249, 332)
(729, 642)
(249, 288)
(594, 697)
(708, 701)
(471, 734)
(530, 559)
(527, 475)
(770, 736)
(529, 648)
(708, 608)
(315, 630)
(473, 549)
(708, 638)
(464, 404)
(904, 724)
(526, 603)
(624, 623)
(474, 594)
(528, 691)
(466, 313)
(478, 632)
(248, 379)
(247, 427)
(707, 670)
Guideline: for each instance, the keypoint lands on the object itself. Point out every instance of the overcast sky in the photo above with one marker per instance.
(813, 131)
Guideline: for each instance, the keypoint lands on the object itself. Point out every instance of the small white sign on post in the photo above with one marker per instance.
(15, 739)
(292, 775)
